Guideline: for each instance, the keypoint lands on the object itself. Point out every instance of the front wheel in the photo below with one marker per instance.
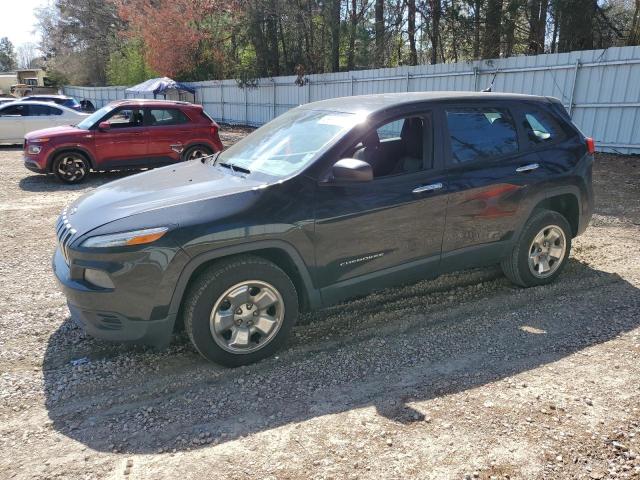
(71, 167)
(542, 250)
(240, 310)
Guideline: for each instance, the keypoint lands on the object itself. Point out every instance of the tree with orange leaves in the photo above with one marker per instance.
(180, 36)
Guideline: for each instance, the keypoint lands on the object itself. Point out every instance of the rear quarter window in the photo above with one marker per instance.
(541, 128)
(482, 133)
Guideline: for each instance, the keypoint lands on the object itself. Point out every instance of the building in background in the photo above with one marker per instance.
(25, 82)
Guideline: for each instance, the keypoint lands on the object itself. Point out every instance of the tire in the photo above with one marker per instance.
(226, 321)
(71, 167)
(545, 237)
(195, 152)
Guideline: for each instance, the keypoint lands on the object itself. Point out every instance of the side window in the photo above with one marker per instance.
(43, 110)
(126, 118)
(480, 133)
(540, 127)
(397, 147)
(167, 116)
(13, 111)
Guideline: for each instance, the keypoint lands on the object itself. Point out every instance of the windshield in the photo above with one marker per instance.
(288, 143)
(90, 121)
(71, 102)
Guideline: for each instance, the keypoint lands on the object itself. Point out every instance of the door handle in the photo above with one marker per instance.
(527, 168)
(427, 188)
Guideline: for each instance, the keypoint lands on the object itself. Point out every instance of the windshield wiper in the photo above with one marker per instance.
(234, 168)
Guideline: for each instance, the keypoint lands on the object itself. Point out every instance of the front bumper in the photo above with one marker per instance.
(33, 165)
(111, 314)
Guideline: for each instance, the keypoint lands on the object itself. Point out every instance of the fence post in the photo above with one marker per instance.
(222, 99)
(274, 97)
(475, 79)
(308, 90)
(407, 86)
(573, 87)
(353, 81)
(246, 108)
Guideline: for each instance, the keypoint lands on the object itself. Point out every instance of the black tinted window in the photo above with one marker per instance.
(18, 110)
(43, 110)
(540, 127)
(480, 133)
(167, 116)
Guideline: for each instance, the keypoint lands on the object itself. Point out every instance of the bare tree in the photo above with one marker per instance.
(26, 54)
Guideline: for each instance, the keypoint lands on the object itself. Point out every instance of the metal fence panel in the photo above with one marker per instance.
(599, 88)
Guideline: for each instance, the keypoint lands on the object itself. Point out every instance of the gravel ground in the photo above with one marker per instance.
(466, 376)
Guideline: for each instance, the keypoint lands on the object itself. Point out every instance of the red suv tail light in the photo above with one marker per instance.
(216, 138)
(591, 145)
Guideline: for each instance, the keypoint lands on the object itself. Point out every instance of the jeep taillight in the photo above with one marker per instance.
(591, 145)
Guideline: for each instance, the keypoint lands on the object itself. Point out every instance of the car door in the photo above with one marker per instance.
(12, 123)
(125, 143)
(491, 175)
(169, 133)
(389, 230)
(43, 116)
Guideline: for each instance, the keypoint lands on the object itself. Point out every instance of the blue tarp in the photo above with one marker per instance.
(159, 86)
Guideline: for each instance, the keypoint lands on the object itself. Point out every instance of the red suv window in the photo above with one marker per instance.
(166, 116)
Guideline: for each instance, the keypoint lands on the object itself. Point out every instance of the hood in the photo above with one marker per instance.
(64, 130)
(154, 190)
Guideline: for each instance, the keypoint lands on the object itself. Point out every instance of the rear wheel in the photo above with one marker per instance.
(195, 152)
(541, 252)
(71, 167)
(240, 310)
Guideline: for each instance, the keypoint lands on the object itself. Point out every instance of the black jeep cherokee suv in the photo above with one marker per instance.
(331, 200)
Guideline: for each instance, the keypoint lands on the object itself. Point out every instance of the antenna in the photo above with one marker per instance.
(490, 87)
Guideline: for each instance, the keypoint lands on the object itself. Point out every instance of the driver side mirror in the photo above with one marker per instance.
(351, 170)
(104, 126)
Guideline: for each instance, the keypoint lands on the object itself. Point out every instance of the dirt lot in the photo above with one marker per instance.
(465, 376)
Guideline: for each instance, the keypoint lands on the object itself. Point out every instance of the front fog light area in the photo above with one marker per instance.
(99, 278)
(34, 149)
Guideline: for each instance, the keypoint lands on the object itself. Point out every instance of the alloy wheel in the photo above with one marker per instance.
(247, 316)
(546, 251)
(72, 168)
(197, 153)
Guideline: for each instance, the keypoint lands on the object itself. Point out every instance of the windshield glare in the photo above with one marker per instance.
(88, 122)
(289, 142)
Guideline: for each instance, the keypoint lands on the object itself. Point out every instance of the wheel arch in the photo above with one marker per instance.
(281, 253)
(564, 201)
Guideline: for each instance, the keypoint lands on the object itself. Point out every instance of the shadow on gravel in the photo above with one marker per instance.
(141, 402)
(49, 183)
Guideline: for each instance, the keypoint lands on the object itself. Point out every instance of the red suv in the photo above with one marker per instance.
(123, 135)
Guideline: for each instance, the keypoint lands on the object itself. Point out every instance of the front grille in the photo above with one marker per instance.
(65, 233)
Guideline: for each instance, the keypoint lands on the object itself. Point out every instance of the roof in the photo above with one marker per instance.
(373, 103)
(159, 85)
(44, 95)
(46, 104)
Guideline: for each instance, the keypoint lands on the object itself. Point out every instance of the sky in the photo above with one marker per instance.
(17, 20)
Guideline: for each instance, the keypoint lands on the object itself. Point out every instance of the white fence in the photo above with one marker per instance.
(599, 88)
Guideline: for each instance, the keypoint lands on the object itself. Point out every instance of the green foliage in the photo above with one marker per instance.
(55, 78)
(127, 66)
(7, 55)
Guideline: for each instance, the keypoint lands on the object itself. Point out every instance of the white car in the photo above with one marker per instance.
(19, 118)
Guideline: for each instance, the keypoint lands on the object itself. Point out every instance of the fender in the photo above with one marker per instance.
(548, 193)
(312, 293)
(72, 146)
